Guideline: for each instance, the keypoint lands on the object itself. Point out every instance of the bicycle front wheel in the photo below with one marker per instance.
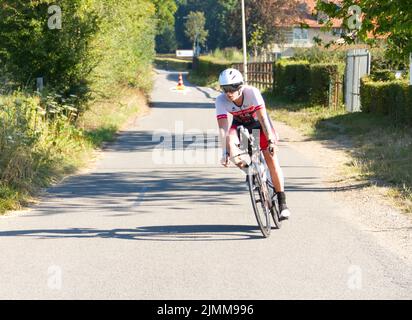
(259, 204)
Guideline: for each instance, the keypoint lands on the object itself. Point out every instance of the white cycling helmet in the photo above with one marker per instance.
(230, 76)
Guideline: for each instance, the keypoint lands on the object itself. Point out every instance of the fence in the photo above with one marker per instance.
(259, 74)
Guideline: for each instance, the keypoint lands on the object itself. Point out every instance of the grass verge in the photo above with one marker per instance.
(381, 153)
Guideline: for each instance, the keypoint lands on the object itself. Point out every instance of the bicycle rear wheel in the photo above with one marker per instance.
(259, 204)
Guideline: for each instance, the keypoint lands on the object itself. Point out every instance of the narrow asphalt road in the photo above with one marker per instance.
(158, 218)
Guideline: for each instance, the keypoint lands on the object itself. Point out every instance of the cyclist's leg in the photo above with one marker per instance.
(275, 170)
(272, 162)
(276, 174)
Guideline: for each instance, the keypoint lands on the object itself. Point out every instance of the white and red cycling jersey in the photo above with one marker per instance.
(244, 115)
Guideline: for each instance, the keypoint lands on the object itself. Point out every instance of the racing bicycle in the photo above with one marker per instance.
(261, 190)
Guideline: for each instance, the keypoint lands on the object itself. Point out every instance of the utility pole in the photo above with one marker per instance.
(244, 41)
(410, 69)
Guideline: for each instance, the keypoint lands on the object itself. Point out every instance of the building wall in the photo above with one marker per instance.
(286, 43)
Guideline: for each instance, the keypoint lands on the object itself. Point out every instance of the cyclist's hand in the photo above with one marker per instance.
(225, 159)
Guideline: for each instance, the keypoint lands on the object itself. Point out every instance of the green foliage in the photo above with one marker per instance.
(316, 54)
(124, 45)
(29, 49)
(195, 28)
(226, 55)
(256, 39)
(208, 68)
(322, 76)
(393, 98)
(387, 19)
(222, 22)
(165, 10)
(302, 81)
(100, 44)
(382, 75)
(292, 79)
(166, 41)
(34, 134)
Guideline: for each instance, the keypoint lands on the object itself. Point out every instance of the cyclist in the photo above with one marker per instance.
(247, 106)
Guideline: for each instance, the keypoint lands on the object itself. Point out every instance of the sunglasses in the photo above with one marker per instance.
(231, 87)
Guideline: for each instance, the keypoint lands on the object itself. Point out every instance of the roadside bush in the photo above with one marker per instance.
(34, 134)
(322, 74)
(233, 55)
(302, 81)
(207, 68)
(319, 55)
(393, 98)
(292, 79)
(382, 75)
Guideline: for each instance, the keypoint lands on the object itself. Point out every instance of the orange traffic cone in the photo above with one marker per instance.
(180, 85)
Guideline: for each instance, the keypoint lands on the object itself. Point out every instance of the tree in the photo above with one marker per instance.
(100, 44)
(165, 17)
(390, 20)
(256, 39)
(222, 22)
(165, 10)
(166, 41)
(195, 28)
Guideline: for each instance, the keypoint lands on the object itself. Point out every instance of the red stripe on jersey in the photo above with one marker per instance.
(259, 107)
(222, 116)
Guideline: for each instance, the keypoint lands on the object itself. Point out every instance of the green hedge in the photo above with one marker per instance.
(393, 98)
(321, 76)
(292, 79)
(382, 75)
(302, 81)
(208, 68)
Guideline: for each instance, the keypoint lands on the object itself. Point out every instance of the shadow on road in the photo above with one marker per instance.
(132, 192)
(149, 233)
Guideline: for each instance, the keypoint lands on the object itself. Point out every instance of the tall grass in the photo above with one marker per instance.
(37, 145)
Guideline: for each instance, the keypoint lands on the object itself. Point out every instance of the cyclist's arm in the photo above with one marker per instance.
(265, 124)
(223, 134)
